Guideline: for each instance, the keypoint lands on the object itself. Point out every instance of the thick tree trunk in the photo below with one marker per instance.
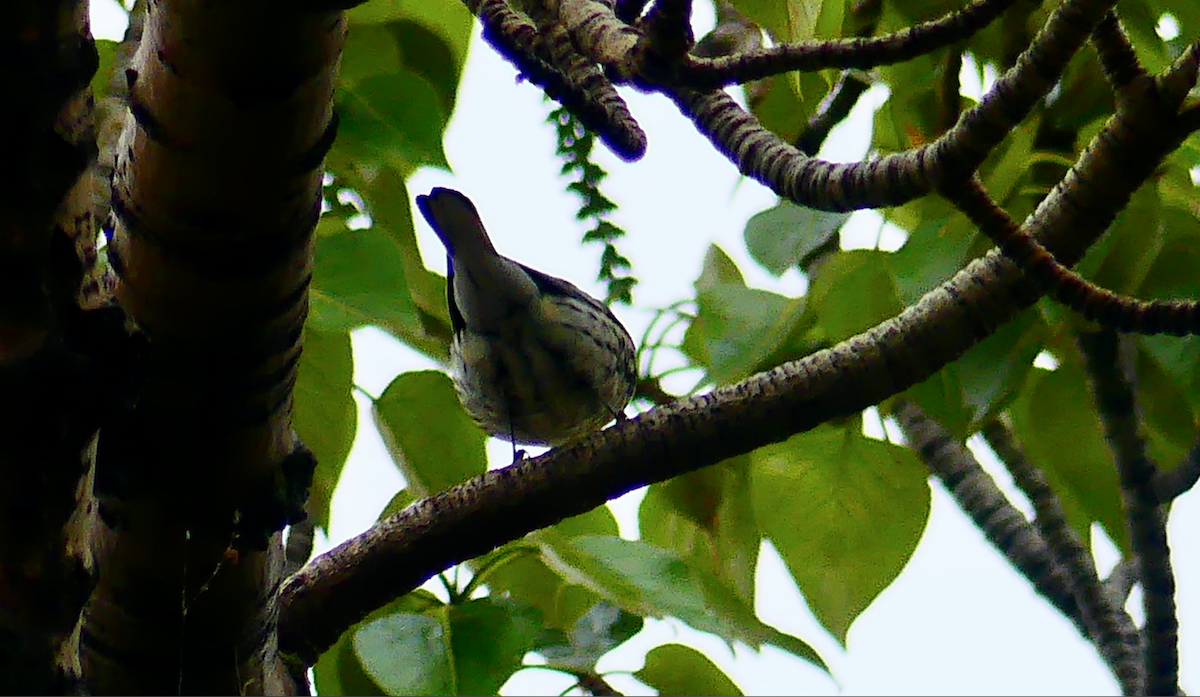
(48, 403)
(216, 190)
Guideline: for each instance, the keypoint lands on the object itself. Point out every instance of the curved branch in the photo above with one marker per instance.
(897, 47)
(398, 554)
(1178, 317)
(547, 59)
(1010, 100)
(901, 177)
(596, 30)
(775, 163)
(595, 103)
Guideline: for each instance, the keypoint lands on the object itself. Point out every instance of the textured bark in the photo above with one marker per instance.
(216, 190)
(398, 554)
(46, 383)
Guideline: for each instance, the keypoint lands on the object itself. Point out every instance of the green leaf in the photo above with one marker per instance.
(435, 55)
(601, 629)
(980, 384)
(934, 251)
(854, 291)
(707, 517)
(449, 19)
(784, 103)
(912, 11)
(787, 234)
(422, 647)
(407, 654)
(789, 20)
(651, 581)
(395, 119)
(740, 330)
(1168, 418)
(107, 50)
(430, 437)
(802, 18)
(1179, 358)
(527, 578)
(358, 279)
(845, 513)
(489, 638)
(1173, 273)
(771, 15)
(387, 198)
(675, 669)
(718, 269)
(427, 39)
(1081, 98)
(339, 672)
(1008, 167)
(1122, 258)
(1055, 420)
(325, 415)
(910, 117)
(743, 329)
(1139, 20)
(401, 500)
(370, 50)
(387, 202)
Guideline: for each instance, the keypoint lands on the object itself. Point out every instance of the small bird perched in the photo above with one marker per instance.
(534, 359)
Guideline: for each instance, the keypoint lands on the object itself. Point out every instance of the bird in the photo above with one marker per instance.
(534, 359)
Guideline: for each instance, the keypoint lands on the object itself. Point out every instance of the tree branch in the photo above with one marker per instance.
(901, 177)
(864, 53)
(1117, 57)
(981, 499)
(1178, 317)
(773, 162)
(1109, 626)
(225, 98)
(1121, 580)
(52, 389)
(596, 685)
(1117, 406)
(1176, 482)
(339, 588)
(545, 56)
(832, 110)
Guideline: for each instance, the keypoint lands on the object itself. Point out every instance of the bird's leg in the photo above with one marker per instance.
(518, 455)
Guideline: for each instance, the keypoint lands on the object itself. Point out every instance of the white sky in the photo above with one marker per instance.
(958, 620)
